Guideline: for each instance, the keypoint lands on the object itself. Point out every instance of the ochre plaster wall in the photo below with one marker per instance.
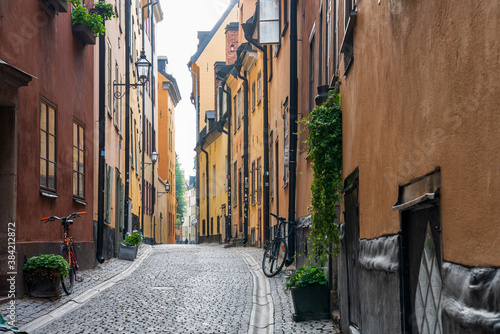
(422, 93)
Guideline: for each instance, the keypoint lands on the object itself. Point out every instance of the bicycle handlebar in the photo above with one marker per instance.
(277, 217)
(71, 215)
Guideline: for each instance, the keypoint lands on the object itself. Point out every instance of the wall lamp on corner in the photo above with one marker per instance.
(143, 68)
(167, 189)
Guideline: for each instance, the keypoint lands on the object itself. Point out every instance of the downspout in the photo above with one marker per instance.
(197, 183)
(293, 127)
(127, 117)
(229, 111)
(245, 153)
(265, 133)
(206, 178)
(153, 132)
(102, 147)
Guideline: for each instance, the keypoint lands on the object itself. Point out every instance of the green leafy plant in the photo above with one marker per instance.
(6, 327)
(324, 146)
(94, 21)
(46, 265)
(134, 239)
(306, 276)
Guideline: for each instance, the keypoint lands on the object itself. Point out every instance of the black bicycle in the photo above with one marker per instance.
(276, 251)
(67, 251)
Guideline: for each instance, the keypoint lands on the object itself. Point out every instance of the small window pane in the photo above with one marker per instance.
(52, 148)
(75, 183)
(43, 172)
(43, 144)
(82, 162)
(82, 185)
(43, 116)
(75, 158)
(52, 121)
(80, 143)
(75, 135)
(52, 176)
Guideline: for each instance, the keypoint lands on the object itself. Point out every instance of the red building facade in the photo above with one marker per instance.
(47, 131)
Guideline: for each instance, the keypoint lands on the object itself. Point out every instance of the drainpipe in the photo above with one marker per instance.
(245, 153)
(208, 199)
(153, 132)
(293, 127)
(127, 117)
(229, 106)
(194, 101)
(102, 147)
(265, 133)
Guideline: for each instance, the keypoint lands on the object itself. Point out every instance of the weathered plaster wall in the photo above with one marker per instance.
(422, 93)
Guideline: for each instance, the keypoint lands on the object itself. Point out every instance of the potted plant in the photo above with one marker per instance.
(310, 295)
(87, 25)
(130, 245)
(43, 275)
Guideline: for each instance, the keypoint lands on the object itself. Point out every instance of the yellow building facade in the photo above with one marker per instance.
(211, 149)
(168, 98)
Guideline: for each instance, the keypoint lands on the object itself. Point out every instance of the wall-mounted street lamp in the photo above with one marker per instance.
(167, 189)
(143, 69)
(154, 159)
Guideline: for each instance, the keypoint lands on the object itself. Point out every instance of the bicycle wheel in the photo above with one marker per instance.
(67, 281)
(274, 257)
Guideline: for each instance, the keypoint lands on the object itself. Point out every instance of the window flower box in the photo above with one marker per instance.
(84, 34)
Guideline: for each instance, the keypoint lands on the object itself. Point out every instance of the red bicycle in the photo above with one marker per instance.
(67, 251)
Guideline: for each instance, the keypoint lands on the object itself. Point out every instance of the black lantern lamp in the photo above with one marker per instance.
(143, 67)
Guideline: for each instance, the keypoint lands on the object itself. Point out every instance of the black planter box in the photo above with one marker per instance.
(311, 303)
(83, 33)
(44, 287)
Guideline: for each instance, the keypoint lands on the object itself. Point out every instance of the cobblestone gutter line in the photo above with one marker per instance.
(79, 300)
(262, 316)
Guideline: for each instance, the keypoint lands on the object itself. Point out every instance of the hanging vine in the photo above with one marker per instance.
(324, 145)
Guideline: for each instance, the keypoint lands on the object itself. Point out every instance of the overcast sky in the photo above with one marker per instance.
(177, 39)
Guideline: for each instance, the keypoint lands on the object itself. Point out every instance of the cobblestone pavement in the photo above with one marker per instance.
(28, 309)
(283, 307)
(178, 289)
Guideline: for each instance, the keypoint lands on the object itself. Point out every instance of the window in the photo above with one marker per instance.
(203, 226)
(253, 183)
(235, 112)
(284, 21)
(285, 141)
(213, 181)
(347, 47)
(203, 186)
(116, 102)
(78, 160)
(239, 108)
(253, 96)
(47, 146)
(211, 225)
(311, 72)
(235, 185)
(259, 87)
(259, 181)
(109, 80)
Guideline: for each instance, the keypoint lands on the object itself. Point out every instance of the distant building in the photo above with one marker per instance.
(168, 98)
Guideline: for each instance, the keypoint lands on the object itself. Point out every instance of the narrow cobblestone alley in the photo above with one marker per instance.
(185, 289)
